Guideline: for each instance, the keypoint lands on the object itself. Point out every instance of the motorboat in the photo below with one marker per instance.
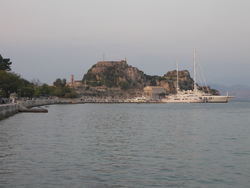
(139, 99)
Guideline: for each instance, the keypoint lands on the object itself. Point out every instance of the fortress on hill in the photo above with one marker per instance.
(111, 63)
(101, 66)
(118, 80)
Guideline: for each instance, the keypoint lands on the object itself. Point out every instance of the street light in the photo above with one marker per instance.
(0, 96)
(18, 92)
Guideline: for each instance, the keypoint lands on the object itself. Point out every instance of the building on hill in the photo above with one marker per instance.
(153, 92)
(111, 63)
(74, 83)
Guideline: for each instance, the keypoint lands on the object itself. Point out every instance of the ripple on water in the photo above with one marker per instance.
(127, 145)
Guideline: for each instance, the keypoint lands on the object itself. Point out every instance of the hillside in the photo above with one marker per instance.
(241, 92)
(121, 77)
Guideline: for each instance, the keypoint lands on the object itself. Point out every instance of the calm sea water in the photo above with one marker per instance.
(128, 145)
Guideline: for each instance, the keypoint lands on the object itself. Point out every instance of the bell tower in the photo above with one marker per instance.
(72, 79)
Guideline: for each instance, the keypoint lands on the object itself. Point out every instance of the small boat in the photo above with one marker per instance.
(140, 99)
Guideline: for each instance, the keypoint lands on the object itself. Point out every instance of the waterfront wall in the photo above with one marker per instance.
(70, 101)
(33, 103)
(8, 110)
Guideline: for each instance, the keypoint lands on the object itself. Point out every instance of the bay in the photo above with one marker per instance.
(128, 145)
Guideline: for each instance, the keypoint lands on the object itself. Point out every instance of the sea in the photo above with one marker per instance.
(128, 145)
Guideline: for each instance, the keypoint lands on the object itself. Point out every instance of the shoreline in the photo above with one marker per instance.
(7, 110)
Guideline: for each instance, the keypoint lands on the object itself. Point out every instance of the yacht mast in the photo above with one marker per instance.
(177, 87)
(195, 86)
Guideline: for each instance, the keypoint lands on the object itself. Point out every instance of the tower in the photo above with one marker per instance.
(72, 79)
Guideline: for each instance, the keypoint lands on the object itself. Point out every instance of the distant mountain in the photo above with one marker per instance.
(231, 80)
(241, 92)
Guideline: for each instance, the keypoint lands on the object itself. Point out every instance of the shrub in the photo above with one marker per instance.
(124, 85)
(153, 83)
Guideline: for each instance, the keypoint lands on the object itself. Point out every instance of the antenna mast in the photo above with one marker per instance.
(177, 87)
(195, 86)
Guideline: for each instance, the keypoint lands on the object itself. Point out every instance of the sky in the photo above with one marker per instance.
(53, 39)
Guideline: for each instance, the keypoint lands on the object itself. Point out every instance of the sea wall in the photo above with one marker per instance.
(70, 101)
(7, 110)
(33, 103)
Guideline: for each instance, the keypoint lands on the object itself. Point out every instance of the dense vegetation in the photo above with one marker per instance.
(5, 64)
(110, 80)
(61, 90)
(11, 82)
(124, 85)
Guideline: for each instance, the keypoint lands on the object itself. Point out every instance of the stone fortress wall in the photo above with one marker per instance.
(111, 63)
(101, 66)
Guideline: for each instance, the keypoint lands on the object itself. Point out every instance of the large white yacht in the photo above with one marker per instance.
(182, 96)
(207, 97)
(195, 96)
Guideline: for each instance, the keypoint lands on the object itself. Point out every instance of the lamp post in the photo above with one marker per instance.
(18, 92)
(0, 96)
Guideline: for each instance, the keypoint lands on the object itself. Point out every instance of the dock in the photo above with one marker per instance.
(22, 108)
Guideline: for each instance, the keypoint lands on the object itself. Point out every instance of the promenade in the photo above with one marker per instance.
(9, 109)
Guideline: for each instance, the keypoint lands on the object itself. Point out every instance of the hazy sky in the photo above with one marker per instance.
(49, 39)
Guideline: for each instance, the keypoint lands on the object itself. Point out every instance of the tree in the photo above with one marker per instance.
(9, 82)
(5, 64)
(27, 91)
(153, 83)
(61, 90)
(124, 85)
(72, 94)
(64, 82)
(36, 82)
(37, 93)
(59, 82)
(45, 89)
(26, 83)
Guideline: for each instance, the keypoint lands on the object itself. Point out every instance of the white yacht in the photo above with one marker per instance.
(207, 97)
(195, 96)
(182, 96)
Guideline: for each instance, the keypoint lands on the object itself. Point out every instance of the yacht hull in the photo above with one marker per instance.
(183, 100)
(198, 101)
(217, 99)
